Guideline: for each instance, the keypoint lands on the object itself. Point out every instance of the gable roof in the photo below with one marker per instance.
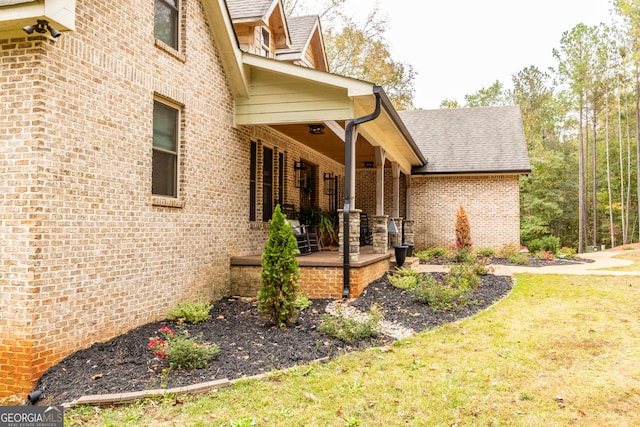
(249, 10)
(306, 39)
(484, 140)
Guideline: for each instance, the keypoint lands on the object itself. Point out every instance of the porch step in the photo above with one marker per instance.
(409, 263)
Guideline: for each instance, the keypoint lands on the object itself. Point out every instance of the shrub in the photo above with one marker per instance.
(550, 243)
(509, 250)
(190, 312)
(430, 253)
(182, 351)
(403, 282)
(463, 229)
(520, 258)
(482, 266)
(485, 252)
(280, 272)
(567, 252)
(350, 330)
(462, 276)
(302, 302)
(462, 255)
(440, 296)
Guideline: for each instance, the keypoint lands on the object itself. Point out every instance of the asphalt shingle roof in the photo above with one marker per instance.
(300, 28)
(244, 9)
(469, 140)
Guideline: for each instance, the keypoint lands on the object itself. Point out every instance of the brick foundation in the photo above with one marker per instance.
(315, 281)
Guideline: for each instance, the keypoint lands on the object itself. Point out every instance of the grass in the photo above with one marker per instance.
(558, 351)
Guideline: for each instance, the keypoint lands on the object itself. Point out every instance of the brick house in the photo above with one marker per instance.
(143, 148)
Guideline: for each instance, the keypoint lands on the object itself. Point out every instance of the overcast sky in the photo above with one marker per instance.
(459, 46)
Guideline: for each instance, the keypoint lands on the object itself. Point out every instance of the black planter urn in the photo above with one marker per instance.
(401, 254)
(409, 249)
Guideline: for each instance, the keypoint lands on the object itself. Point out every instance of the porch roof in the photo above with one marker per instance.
(290, 97)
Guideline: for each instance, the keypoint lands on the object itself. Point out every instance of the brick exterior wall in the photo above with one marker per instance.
(315, 282)
(492, 204)
(86, 252)
(366, 191)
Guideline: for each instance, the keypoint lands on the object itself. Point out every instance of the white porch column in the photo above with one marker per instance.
(407, 180)
(352, 192)
(395, 171)
(380, 158)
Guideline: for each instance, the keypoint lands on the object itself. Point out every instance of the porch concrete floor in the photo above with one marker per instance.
(326, 258)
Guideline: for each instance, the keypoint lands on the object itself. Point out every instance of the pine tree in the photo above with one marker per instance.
(280, 272)
(463, 229)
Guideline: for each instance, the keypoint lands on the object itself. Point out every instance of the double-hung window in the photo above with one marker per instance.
(166, 124)
(166, 19)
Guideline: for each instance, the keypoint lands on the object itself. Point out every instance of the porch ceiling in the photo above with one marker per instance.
(328, 144)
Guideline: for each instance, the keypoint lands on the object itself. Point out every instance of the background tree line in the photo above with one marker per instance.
(581, 118)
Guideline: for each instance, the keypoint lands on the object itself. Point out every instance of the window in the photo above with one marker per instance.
(252, 181)
(166, 22)
(265, 42)
(267, 183)
(165, 150)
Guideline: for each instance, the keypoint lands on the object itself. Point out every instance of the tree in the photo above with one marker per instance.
(359, 49)
(449, 103)
(574, 58)
(280, 272)
(490, 96)
(629, 10)
(463, 229)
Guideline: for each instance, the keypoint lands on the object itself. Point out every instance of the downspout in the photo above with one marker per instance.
(346, 249)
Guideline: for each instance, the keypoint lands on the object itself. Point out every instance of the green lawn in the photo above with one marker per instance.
(558, 351)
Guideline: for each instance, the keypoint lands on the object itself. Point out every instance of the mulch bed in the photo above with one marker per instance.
(532, 262)
(249, 344)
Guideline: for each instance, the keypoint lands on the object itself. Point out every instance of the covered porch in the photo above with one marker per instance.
(353, 124)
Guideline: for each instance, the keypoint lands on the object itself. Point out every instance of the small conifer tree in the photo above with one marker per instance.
(280, 272)
(463, 229)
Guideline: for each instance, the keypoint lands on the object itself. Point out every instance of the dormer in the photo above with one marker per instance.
(260, 26)
(307, 44)
(40, 17)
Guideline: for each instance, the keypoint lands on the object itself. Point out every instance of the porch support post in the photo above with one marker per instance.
(395, 171)
(408, 203)
(352, 169)
(380, 158)
(380, 234)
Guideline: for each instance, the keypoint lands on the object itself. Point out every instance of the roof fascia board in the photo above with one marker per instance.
(393, 114)
(228, 47)
(353, 86)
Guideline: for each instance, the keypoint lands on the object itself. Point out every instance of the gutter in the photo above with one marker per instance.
(417, 171)
(348, 133)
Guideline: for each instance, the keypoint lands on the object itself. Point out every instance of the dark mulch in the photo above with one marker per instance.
(249, 344)
(400, 307)
(532, 262)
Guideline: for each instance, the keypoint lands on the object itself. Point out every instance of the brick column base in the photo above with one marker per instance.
(380, 235)
(354, 234)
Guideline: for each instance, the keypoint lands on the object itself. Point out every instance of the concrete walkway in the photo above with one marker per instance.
(603, 261)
